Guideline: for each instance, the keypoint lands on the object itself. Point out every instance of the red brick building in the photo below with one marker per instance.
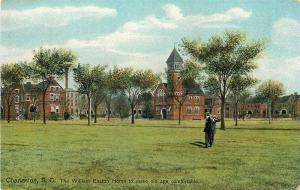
(166, 106)
(28, 96)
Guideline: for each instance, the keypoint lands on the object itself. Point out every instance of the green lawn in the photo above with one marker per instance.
(254, 155)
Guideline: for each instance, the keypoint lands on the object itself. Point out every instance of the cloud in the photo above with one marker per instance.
(11, 55)
(286, 70)
(149, 31)
(286, 33)
(215, 20)
(172, 11)
(133, 42)
(13, 19)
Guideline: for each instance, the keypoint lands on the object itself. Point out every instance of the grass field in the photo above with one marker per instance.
(150, 155)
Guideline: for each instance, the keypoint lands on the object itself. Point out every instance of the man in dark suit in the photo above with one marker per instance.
(208, 131)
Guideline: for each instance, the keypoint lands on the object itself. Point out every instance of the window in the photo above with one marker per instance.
(157, 109)
(17, 91)
(57, 109)
(51, 97)
(197, 109)
(190, 97)
(197, 98)
(17, 99)
(189, 109)
(27, 98)
(17, 108)
(57, 88)
(57, 97)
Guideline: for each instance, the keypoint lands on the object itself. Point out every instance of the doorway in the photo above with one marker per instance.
(164, 113)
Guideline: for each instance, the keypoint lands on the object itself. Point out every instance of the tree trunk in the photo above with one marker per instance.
(236, 113)
(132, 114)
(44, 106)
(89, 110)
(95, 112)
(223, 113)
(34, 116)
(270, 112)
(108, 112)
(179, 114)
(8, 113)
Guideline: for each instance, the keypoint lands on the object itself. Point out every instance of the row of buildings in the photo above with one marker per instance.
(26, 101)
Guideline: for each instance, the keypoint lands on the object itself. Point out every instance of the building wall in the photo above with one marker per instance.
(73, 101)
(24, 100)
(193, 106)
(54, 99)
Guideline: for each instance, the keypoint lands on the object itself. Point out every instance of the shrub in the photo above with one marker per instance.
(67, 115)
(53, 116)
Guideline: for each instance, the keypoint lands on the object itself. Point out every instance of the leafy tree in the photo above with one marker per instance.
(239, 89)
(120, 105)
(88, 79)
(12, 77)
(270, 90)
(224, 57)
(292, 104)
(112, 85)
(181, 87)
(48, 64)
(147, 99)
(135, 83)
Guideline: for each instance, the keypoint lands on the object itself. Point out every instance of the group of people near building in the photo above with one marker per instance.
(210, 130)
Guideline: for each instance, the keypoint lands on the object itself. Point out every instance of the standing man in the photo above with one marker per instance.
(213, 128)
(208, 130)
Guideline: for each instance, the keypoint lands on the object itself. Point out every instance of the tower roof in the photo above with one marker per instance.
(174, 57)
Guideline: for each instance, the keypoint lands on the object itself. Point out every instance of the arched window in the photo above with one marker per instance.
(17, 99)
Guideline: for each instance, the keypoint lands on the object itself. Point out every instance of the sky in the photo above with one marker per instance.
(142, 33)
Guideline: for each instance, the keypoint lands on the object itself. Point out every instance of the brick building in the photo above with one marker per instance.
(73, 101)
(166, 106)
(28, 97)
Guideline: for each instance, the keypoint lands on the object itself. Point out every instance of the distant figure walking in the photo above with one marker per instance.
(208, 131)
(213, 128)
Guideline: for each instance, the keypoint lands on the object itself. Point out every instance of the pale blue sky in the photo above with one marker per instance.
(141, 33)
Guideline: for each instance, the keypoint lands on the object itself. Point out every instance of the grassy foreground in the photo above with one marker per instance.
(149, 155)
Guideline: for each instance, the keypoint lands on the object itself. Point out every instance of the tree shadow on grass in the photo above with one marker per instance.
(199, 144)
(9, 144)
(263, 128)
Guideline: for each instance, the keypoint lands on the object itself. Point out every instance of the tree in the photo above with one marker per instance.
(147, 99)
(47, 65)
(111, 86)
(181, 87)
(292, 104)
(270, 90)
(12, 77)
(135, 83)
(97, 97)
(120, 105)
(224, 57)
(239, 89)
(88, 79)
(244, 99)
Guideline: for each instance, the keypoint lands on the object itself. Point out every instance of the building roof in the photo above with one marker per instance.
(28, 87)
(174, 57)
